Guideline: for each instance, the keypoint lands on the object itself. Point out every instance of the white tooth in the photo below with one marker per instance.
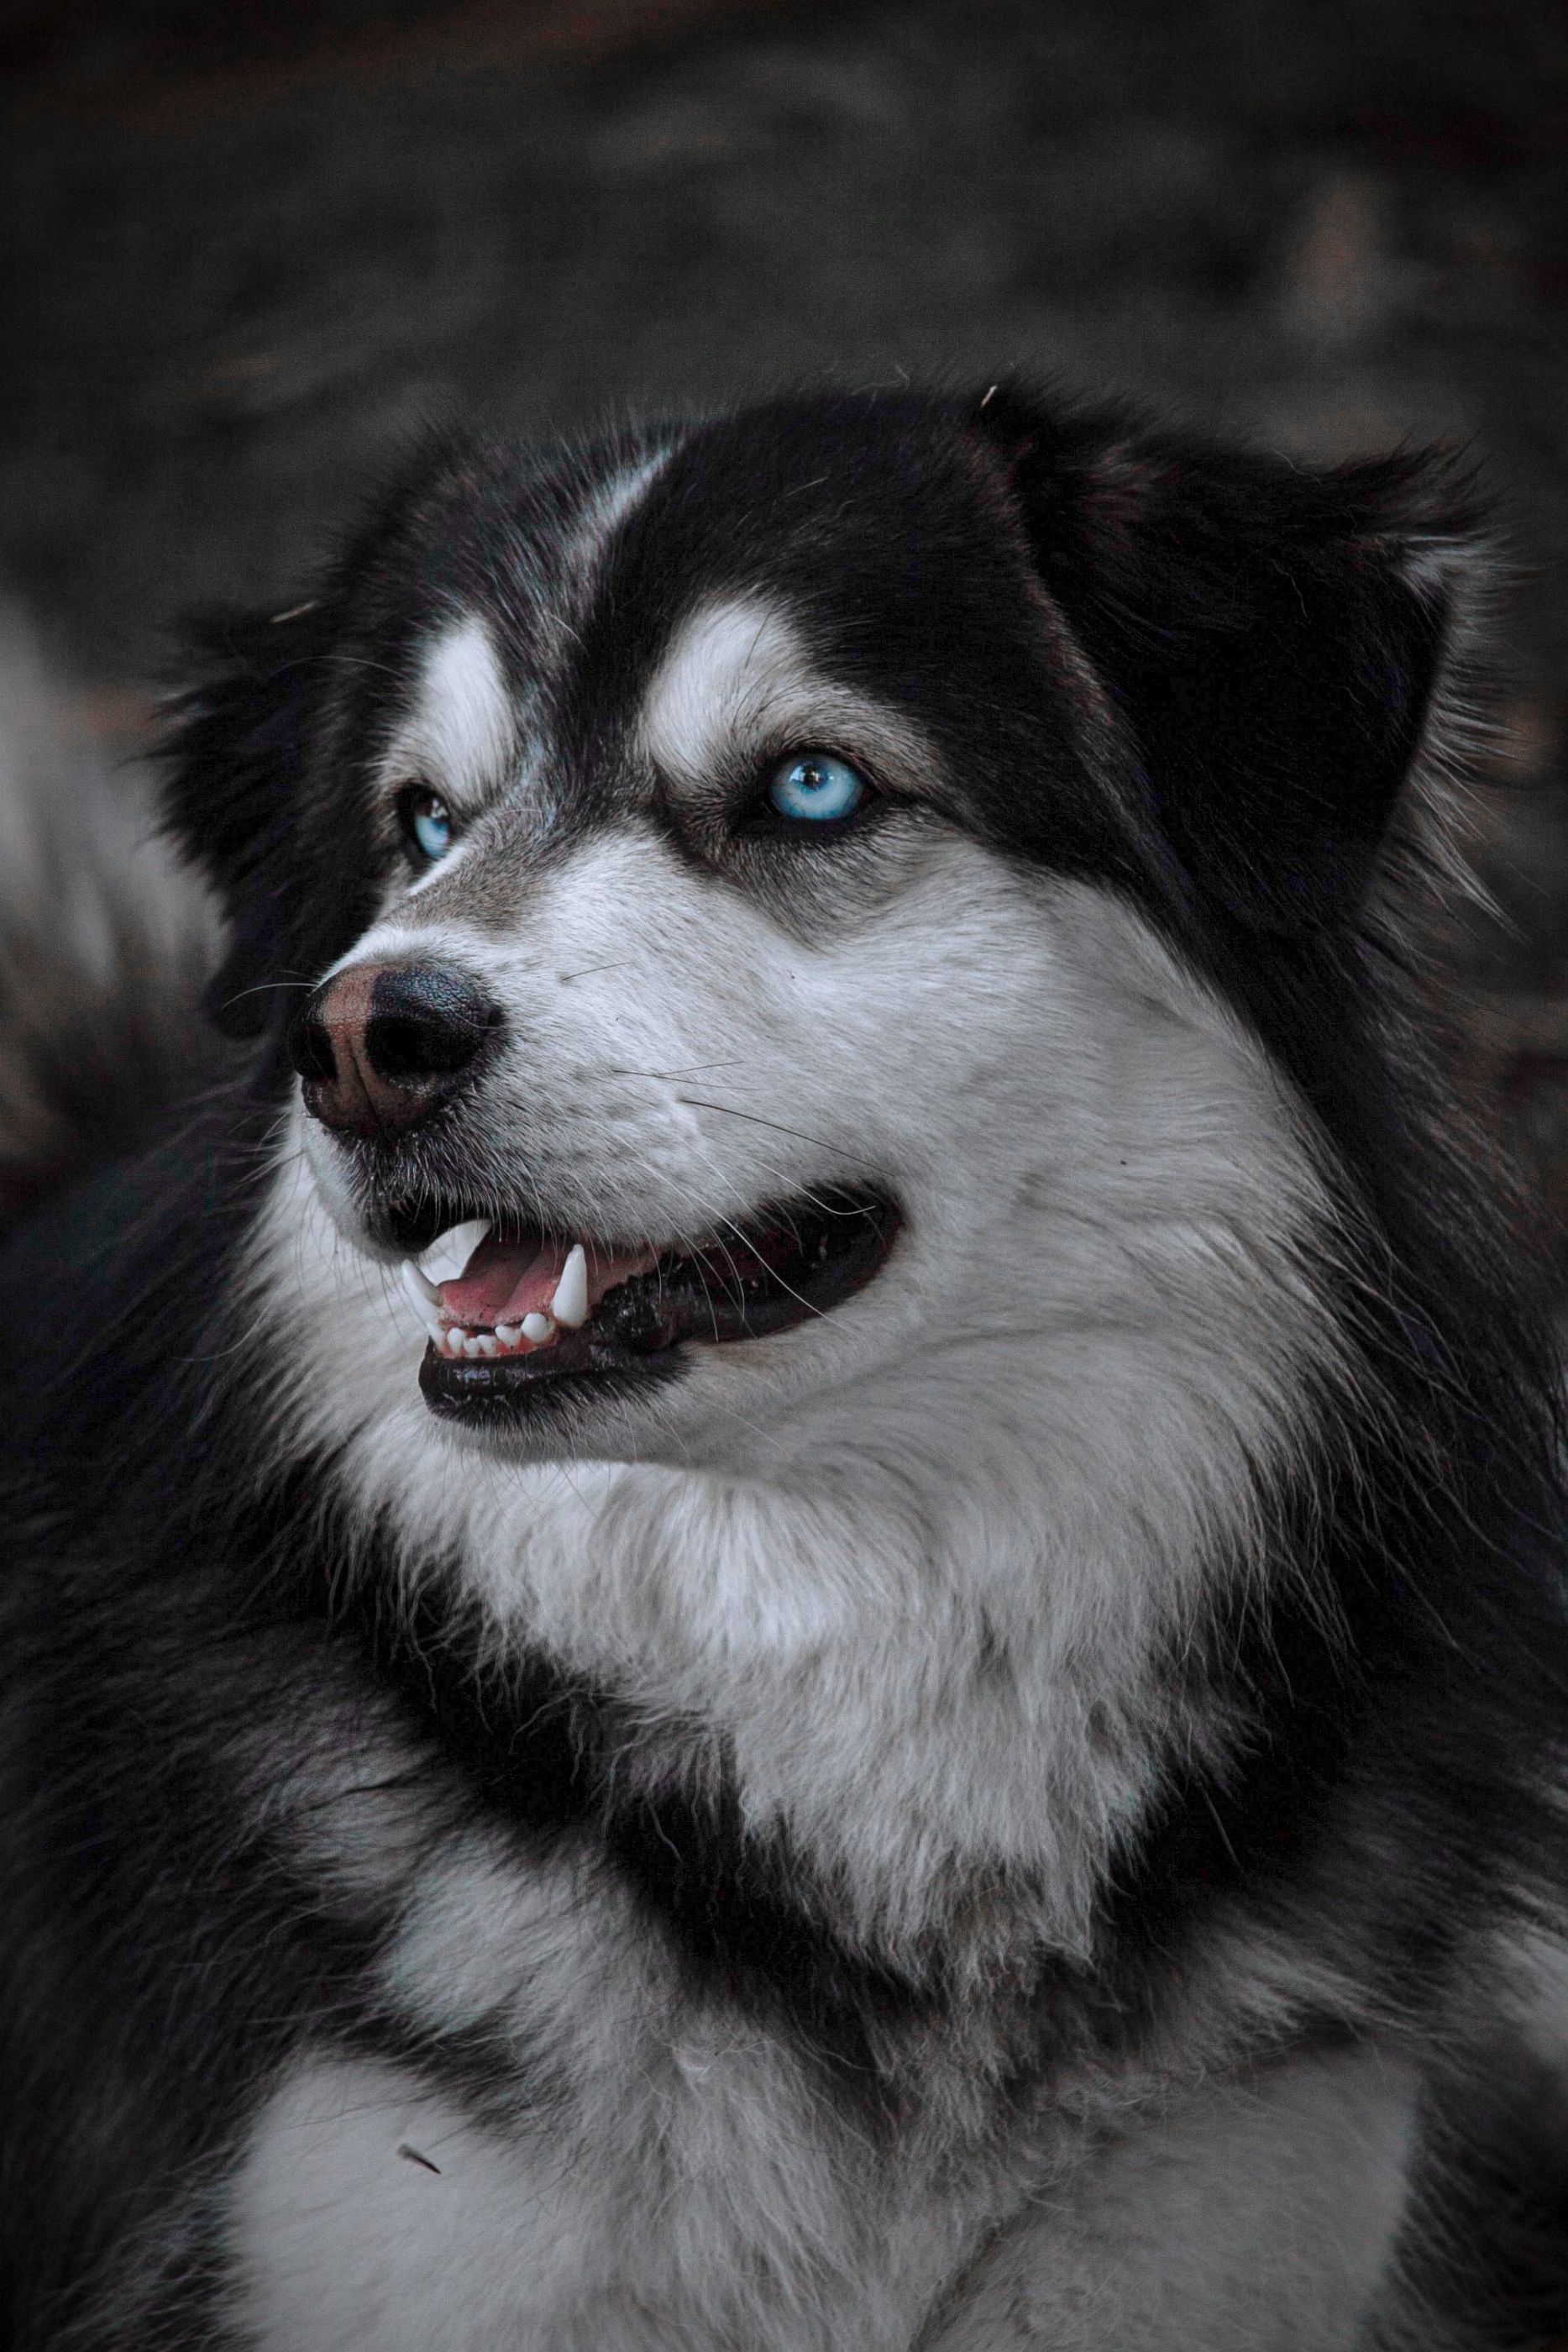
(474, 1347)
(538, 1327)
(447, 1259)
(455, 1338)
(438, 1333)
(508, 1334)
(424, 1294)
(569, 1305)
(487, 1344)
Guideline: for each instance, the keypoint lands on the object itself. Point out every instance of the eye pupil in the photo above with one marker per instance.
(815, 788)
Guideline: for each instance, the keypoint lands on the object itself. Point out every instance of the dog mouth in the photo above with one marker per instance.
(513, 1312)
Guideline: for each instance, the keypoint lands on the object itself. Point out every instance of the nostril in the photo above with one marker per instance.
(401, 1046)
(310, 1050)
(425, 1022)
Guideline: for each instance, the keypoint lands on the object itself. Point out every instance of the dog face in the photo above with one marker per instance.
(763, 890)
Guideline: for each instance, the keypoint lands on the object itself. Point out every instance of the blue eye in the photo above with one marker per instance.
(816, 788)
(427, 822)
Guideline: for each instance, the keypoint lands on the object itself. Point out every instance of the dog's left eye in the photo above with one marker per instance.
(814, 788)
(426, 821)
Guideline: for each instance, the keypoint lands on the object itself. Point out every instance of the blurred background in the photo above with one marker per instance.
(251, 248)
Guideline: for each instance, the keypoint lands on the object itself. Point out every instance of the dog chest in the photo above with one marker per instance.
(371, 2210)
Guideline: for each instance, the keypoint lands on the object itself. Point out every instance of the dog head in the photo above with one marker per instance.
(778, 904)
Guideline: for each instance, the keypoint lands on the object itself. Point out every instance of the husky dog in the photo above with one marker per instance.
(792, 1580)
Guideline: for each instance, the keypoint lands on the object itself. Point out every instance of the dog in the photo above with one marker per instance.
(787, 1559)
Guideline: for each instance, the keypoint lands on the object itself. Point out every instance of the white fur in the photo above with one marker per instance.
(371, 2211)
(921, 1569)
(607, 506)
(460, 736)
(919, 1561)
(528, 2237)
(634, 2134)
(735, 680)
(1258, 2216)
(680, 2182)
(1035, 1431)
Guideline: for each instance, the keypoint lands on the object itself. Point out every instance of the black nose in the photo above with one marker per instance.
(382, 1045)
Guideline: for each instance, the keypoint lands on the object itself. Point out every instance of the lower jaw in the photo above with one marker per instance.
(499, 1391)
(482, 1397)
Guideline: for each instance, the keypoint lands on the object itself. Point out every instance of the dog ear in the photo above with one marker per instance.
(1272, 634)
(234, 761)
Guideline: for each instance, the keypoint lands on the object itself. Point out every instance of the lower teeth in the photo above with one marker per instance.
(506, 1339)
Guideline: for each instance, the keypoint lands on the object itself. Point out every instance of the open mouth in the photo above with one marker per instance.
(514, 1313)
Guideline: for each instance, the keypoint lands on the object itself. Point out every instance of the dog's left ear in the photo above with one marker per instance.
(1272, 636)
(233, 762)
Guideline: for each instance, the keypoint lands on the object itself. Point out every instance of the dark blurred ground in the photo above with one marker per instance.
(252, 248)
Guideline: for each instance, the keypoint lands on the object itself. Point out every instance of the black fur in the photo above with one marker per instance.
(1221, 668)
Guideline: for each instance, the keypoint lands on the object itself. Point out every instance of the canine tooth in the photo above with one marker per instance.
(488, 1343)
(475, 1345)
(423, 1292)
(456, 1336)
(447, 1259)
(569, 1305)
(538, 1327)
(508, 1334)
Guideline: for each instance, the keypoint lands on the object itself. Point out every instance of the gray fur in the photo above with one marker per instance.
(934, 1591)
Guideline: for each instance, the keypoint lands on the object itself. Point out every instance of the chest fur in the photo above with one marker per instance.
(583, 2149)
(587, 2150)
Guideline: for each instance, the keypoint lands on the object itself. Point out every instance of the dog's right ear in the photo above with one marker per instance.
(234, 758)
(1272, 636)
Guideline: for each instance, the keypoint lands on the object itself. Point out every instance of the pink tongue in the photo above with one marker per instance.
(504, 1281)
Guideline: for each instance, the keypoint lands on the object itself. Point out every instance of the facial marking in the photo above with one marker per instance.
(604, 511)
(738, 683)
(461, 733)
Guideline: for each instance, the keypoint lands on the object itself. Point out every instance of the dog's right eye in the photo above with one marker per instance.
(426, 822)
(815, 788)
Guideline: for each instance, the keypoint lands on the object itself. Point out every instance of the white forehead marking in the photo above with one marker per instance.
(607, 509)
(586, 543)
(461, 733)
(727, 670)
(737, 678)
